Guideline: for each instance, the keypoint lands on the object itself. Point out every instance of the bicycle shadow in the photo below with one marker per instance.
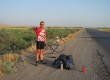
(48, 63)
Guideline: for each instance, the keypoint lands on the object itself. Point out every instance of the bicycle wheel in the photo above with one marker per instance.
(58, 45)
(34, 46)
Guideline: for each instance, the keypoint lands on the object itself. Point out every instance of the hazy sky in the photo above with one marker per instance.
(56, 12)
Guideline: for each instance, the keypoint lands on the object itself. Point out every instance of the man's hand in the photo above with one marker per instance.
(35, 28)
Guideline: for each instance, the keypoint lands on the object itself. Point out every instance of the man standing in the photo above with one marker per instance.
(40, 42)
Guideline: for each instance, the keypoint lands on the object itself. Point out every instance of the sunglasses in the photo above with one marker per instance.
(42, 24)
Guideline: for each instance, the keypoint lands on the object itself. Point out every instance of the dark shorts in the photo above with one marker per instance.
(40, 45)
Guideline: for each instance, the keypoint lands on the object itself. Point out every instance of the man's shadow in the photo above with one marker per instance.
(31, 59)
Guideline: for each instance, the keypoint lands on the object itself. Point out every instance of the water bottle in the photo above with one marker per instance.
(61, 65)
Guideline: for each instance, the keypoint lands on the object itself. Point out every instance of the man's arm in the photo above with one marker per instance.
(35, 28)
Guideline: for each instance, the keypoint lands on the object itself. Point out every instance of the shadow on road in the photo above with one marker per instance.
(31, 59)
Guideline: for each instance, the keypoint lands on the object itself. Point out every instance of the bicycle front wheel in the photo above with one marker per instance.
(58, 45)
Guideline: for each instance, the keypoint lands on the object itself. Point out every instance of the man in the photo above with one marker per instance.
(40, 42)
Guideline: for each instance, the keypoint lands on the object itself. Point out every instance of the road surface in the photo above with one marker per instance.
(88, 49)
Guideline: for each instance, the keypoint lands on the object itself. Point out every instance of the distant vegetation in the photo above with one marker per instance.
(15, 39)
(103, 29)
(18, 38)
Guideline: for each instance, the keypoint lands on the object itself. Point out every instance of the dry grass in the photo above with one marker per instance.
(73, 35)
(14, 27)
(7, 57)
(30, 50)
(23, 52)
(1, 73)
(1, 63)
(10, 57)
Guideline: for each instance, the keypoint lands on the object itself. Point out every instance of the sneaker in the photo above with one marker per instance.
(37, 62)
(42, 62)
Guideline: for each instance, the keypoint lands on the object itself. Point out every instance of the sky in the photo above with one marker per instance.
(76, 13)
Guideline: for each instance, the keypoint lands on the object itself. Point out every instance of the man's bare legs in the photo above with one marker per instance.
(39, 55)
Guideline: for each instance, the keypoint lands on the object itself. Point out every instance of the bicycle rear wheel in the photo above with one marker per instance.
(58, 45)
(48, 48)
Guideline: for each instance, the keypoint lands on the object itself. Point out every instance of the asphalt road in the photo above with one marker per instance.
(103, 39)
(88, 49)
